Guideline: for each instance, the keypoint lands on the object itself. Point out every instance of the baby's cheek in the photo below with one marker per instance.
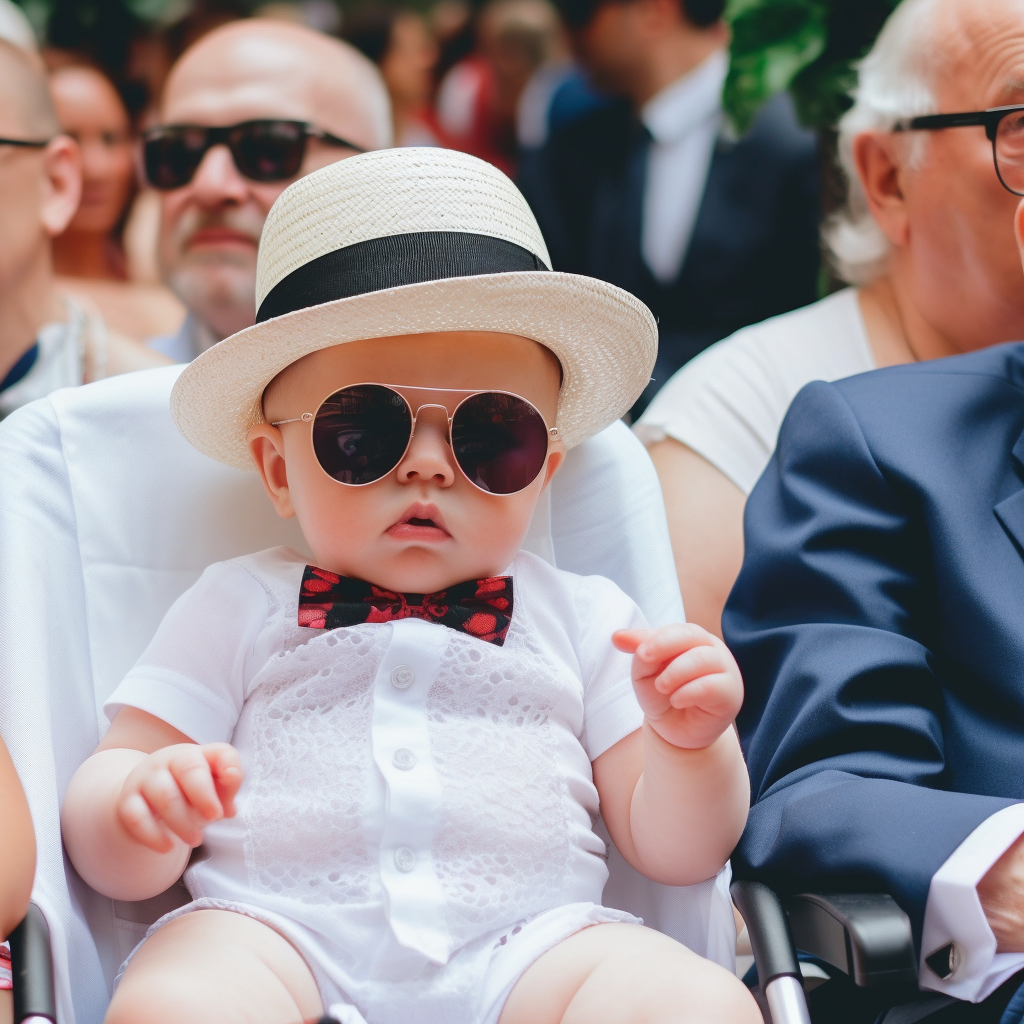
(336, 521)
(492, 527)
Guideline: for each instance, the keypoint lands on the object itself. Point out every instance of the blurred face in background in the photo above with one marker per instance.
(250, 70)
(613, 46)
(409, 61)
(91, 112)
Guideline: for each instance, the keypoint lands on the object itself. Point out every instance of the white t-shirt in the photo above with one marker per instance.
(400, 777)
(728, 403)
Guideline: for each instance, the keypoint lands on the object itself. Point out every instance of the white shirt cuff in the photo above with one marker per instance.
(953, 914)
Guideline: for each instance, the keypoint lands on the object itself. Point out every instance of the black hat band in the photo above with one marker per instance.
(393, 261)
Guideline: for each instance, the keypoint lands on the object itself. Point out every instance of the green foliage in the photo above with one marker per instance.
(806, 46)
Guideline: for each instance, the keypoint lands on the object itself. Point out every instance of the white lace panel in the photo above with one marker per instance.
(310, 772)
(503, 847)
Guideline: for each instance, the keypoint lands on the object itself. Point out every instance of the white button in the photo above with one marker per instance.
(403, 677)
(405, 859)
(404, 759)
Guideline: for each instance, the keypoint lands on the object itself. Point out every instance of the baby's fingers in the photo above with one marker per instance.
(669, 642)
(628, 640)
(139, 822)
(169, 804)
(714, 694)
(226, 768)
(194, 776)
(688, 666)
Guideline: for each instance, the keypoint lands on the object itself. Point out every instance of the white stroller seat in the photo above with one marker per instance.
(107, 515)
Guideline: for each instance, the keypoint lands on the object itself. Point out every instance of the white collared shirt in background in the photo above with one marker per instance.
(684, 120)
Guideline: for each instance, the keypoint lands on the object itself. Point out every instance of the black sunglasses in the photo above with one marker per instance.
(1004, 127)
(361, 433)
(266, 150)
(26, 143)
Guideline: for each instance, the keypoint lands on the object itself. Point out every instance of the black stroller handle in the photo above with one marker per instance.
(32, 968)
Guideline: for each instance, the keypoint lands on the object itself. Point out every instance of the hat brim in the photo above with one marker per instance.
(605, 338)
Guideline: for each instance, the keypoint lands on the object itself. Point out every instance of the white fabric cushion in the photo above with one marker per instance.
(107, 515)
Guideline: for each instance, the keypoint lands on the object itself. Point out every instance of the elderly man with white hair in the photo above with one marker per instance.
(925, 239)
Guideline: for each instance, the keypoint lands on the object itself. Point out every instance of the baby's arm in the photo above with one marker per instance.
(136, 808)
(18, 851)
(675, 794)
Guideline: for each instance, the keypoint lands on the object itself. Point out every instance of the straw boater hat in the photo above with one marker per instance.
(413, 241)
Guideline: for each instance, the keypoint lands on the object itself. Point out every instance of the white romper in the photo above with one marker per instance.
(417, 810)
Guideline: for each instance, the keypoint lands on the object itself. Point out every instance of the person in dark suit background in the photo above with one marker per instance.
(652, 192)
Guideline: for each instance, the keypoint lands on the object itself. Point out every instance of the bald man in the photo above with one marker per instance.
(296, 100)
(46, 341)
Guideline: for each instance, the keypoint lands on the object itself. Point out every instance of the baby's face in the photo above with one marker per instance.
(423, 526)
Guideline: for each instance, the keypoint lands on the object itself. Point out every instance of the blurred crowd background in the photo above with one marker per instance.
(493, 78)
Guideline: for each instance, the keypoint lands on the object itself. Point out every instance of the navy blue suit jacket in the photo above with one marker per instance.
(879, 624)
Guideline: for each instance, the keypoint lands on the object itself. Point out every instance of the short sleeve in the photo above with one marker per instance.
(729, 402)
(610, 708)
(193, 674)
(723, 404)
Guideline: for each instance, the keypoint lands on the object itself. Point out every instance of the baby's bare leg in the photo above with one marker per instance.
(219, 967)
(627, 974)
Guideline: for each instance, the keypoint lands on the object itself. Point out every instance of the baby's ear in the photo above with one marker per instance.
(266, 446)
(556, 456)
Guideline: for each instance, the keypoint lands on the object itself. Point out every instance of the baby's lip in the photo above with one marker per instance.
(421, 516)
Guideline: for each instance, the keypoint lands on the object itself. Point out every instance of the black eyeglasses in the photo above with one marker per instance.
(267, 150)
(361, 433)
(1004, 127)
(26, 143)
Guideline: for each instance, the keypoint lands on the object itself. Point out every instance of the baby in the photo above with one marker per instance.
(391, 758)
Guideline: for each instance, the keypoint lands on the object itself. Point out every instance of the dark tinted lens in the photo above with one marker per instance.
(172, 155)
(499, 441)
(361, 433)
(268, 150)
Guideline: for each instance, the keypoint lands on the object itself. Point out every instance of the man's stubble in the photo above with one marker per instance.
(218, 286)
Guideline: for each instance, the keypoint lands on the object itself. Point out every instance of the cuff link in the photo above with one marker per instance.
(945, 961)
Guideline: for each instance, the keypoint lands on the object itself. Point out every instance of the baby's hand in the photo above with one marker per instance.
(178, 791)
(686, 680)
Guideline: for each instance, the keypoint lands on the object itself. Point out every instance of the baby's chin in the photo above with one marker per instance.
(416, 571)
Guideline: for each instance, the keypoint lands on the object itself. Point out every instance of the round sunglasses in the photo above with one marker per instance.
(264, 150)
(362, 432)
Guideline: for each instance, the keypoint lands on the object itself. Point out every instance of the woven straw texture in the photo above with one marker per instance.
(391, 192)
(605, 338)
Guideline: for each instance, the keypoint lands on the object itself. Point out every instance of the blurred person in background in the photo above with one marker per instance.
(478, 100)
(926, 239)
(16, 28)
(89, 257)
(399, 42)
(247, 110)
(654, 194)
(46, 341)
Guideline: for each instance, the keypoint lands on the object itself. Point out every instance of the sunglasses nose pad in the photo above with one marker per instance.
(429, 455)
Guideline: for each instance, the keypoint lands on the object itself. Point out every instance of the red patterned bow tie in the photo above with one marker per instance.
(481, 608)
